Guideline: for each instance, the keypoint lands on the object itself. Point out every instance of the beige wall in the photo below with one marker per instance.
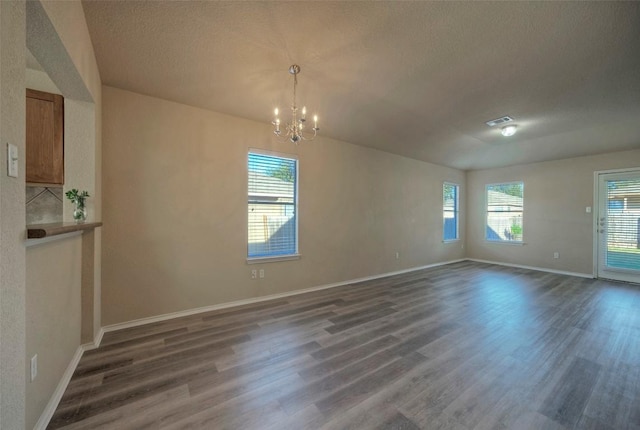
(556, 194)
(53, 317)
(175, 187)
(12, 218)
(27, 24)
(38, 80)
(83, 147)
(70, 25)
(79, 158)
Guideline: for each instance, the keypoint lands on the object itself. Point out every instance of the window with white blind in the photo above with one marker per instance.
(505, 209)
(272, 206)
(450, 209)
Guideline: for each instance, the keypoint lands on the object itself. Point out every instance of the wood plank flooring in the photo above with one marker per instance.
(462, 346)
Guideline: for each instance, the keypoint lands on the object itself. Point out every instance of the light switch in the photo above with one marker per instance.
(12, 160)
(588, 209)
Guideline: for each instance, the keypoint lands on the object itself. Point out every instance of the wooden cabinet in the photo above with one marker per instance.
(45, 138)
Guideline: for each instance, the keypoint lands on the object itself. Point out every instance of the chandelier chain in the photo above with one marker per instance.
(295, 85)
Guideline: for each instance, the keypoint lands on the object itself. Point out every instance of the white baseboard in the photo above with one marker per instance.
(96, 341)
(188, 312)
(49, 410)
(540, 269)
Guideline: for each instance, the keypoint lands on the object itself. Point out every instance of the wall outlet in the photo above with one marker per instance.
(254, 274)
(261, 273)
(556, 255)
(397, 255)
(34, 367)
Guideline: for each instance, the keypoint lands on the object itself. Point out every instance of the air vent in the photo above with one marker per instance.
(499, 121)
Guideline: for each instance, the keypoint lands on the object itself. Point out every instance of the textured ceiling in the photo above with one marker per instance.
(417, 79)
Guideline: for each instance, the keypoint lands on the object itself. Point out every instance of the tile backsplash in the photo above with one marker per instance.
(44, 204)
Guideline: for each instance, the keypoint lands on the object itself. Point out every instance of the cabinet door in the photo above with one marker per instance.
(45, 138)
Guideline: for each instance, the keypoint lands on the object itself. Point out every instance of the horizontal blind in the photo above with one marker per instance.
(272, 206)
(505, 210)
(623, 224)
(450, 211)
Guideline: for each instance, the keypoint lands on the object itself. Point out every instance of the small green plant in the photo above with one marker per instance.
(78, 198)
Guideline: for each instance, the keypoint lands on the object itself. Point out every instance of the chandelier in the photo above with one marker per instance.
(295, 130)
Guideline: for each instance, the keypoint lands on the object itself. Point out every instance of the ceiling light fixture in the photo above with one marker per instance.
(498, 121)
(295, 129)
(509, 130)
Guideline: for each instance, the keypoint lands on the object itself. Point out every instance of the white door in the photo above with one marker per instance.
(618, 226)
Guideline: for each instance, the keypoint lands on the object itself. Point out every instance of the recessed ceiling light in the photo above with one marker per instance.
(509, 130)
(499, 121)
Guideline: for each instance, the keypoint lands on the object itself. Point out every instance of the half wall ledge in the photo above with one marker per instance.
(39, 231)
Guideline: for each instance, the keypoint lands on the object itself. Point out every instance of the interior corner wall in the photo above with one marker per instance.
(97, 206)
(175, 210)
(12, 217)
(556, 194)
(57, 36)
(82, 87)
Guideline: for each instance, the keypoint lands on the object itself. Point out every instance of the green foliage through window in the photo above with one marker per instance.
(284, 171)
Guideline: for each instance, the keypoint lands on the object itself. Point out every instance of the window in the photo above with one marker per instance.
(450, 208)
(504, 212)
(622, 231)
(272, 206)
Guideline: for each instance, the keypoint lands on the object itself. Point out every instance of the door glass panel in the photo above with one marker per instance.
(623, 224)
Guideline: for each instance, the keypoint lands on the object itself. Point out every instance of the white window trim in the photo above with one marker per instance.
(505, 242)
(274, 259)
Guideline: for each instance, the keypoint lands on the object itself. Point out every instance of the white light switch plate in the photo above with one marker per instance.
(12, 160)
(34, 367)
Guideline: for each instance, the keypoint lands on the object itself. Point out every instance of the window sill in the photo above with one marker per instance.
(451, 240)
(259, 260)
(505, 242)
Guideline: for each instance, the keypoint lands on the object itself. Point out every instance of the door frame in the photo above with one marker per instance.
(595, 212)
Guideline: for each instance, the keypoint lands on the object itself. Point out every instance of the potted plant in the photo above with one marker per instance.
(78, 199)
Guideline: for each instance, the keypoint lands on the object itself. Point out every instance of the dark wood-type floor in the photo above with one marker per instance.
(462, 346)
